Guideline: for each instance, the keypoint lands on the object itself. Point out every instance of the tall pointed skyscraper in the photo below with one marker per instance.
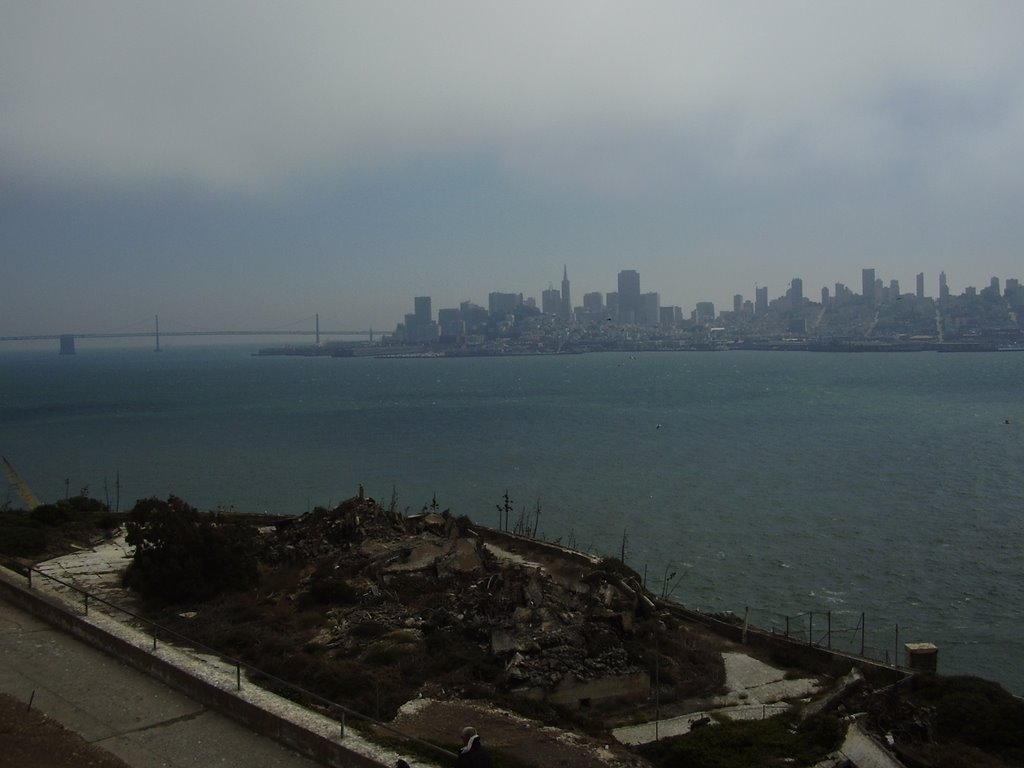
(566, 313)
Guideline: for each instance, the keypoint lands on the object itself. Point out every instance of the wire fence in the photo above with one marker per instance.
(846, 632)
(239, 669)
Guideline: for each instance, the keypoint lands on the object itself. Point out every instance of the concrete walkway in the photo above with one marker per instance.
(110, 704)
(755, 690)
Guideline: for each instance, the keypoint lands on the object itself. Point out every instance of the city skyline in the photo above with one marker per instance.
(870, 280)
(230, 170)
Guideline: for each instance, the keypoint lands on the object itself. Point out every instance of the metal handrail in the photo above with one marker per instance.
(330, 706)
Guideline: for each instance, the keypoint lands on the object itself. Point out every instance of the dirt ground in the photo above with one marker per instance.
(30, 739)
(526, 742)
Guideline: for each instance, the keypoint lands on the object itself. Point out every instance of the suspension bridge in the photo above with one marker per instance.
(67, 340)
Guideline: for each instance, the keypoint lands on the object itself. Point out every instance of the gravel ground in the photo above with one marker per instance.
(32, 740)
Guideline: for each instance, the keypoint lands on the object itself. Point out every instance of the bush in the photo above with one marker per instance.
(21, 535)
(742, 744)
(183, 554)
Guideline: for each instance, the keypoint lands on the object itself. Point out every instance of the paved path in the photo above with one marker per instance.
(110, 704)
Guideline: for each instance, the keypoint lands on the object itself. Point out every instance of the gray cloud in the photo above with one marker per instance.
(276, 154)
(248, 97)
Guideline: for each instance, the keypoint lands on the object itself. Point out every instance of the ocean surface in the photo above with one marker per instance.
(880, 492)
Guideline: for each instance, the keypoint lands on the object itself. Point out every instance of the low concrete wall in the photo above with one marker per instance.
(55, 612)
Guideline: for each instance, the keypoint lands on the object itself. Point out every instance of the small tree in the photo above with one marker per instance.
(184, 554)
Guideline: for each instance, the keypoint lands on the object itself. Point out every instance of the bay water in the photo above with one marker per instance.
(879, 494)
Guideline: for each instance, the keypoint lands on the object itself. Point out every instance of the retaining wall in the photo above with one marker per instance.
(56, 613)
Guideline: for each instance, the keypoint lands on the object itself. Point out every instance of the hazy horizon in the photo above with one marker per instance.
(246, 166)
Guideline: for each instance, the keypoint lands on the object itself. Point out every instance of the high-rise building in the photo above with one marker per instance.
(670, 317)
(943, 286)
(449, 322)
(761, 300)
(824, 295)
(629, 295)
(593, 301)
(920, 285)
(704, 312)
(551, 301)
(894, 289)
(867, 280)
(419, 326)
(650, 309)
(737, 303)
(503, 303)
(566, 309)
(422, 311)
(611, 302)
(796, 293)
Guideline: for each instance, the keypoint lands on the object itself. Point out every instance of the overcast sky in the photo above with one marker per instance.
(247, 164)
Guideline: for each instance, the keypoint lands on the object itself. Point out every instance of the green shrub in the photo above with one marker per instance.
(183, 554)
(774, 741)
(22, 540)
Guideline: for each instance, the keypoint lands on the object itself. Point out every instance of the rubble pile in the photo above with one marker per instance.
(434, 572)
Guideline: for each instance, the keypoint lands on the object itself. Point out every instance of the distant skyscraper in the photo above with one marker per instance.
(593, 301)
(650, 309)
(449, 321)
(894, 289)
(920, 285)
(420, 326)
(670, 317)
(551, 301)
(943, 287)
(704, 312)
(422, 309)
(503, 303)
(629, 295)
(867, 279)
(611, 302)
(566, 313)
(824, 295)
(761, 300)
(737, 303)
(796, 293)
(994, 285)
